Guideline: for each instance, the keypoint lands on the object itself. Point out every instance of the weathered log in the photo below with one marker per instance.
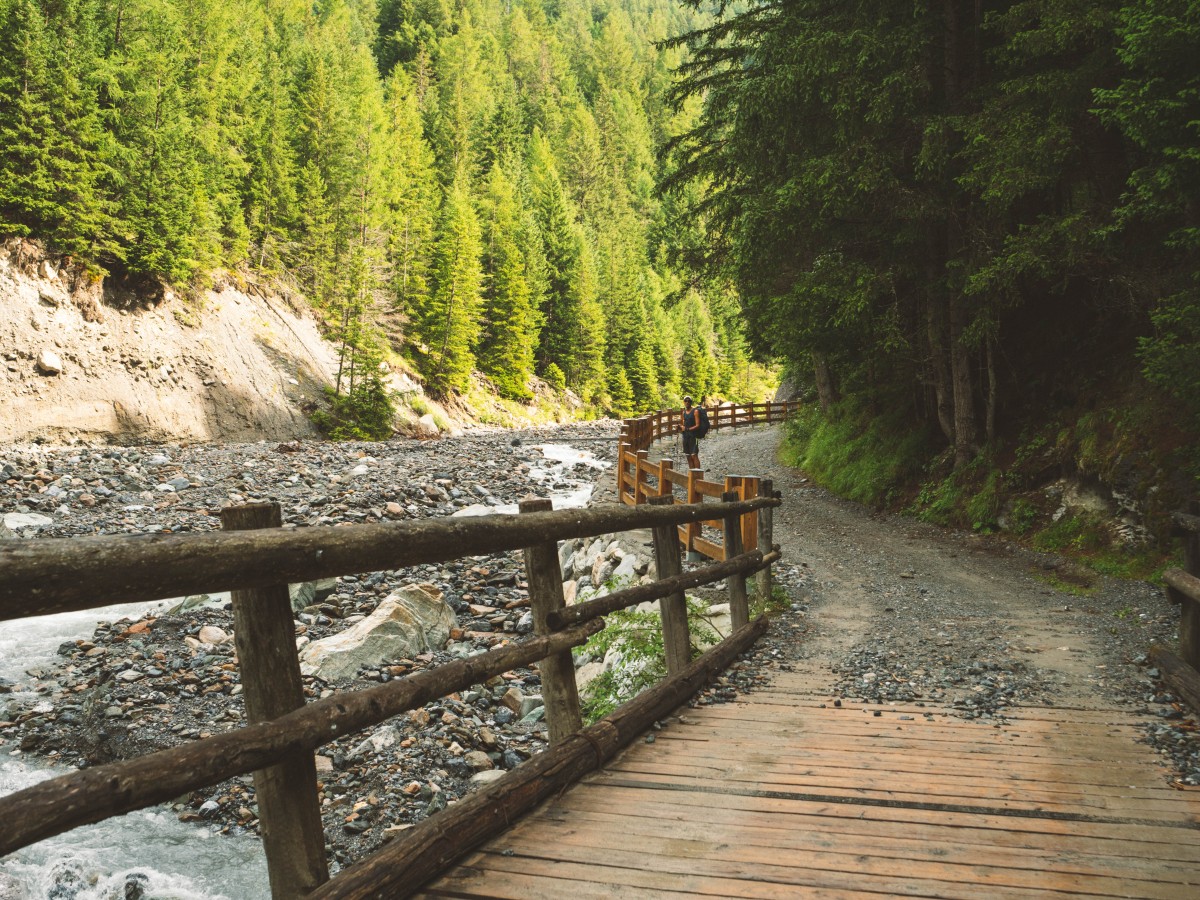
(1185, 523)
(1183, 588)
(42, 577)
(644, 593)
(559, 691)
(90, 795)
(739, 603)
(403, 866)
(677, 643)
(1182, 678)
(265, 637)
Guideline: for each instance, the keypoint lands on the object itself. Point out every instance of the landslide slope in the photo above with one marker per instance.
(142, 364)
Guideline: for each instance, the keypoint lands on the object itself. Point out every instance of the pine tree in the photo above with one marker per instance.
(510, 332)
(449, 324)
(51, 134)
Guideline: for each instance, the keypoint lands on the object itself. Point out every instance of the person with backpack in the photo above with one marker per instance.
(690, 429)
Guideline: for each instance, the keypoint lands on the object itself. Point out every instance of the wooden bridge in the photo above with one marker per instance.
(783, 793)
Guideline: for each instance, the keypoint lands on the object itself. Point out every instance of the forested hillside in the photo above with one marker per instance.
(469, 186)
(972, 227)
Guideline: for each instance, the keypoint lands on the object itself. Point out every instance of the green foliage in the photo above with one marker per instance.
(366, 413)
(450, 322)
(343, 147)
(854, 454)
(554, 377)
(642, 663)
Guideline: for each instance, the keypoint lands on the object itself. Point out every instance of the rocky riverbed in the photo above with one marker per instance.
(168, 674)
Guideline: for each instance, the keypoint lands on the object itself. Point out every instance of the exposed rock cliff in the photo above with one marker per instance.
(102, 360)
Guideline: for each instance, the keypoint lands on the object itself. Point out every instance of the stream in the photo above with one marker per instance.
(149, 854)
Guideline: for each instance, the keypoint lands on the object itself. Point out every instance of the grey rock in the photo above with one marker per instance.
(412, 620)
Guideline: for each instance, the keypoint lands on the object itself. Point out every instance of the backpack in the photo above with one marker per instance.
(702, 428)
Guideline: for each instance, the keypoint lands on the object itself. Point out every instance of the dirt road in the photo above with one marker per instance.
(902, 611)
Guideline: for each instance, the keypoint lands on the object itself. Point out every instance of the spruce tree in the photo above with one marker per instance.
(449, 324)
(51, 134)
(510, 328)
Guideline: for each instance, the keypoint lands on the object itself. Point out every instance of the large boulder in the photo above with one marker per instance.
(411, 620)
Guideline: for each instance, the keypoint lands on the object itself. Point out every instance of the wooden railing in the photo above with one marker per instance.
(639, 478)
(1183, 589)
(256, 559)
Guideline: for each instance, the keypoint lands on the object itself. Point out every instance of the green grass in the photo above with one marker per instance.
(856, 455)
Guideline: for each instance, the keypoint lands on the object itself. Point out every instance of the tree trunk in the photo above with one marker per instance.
(993, 391)
(966, 437)
(827, 391)
(936, 331)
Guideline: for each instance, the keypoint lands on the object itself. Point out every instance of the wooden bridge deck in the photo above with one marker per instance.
(778, 796)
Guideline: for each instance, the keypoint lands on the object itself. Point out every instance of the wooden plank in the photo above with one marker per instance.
(760, 833)
(551, 880)
(840, 874)
(951, 789)
(714, 854)
(902, 762)
(803, 820)
(1106, 809)
(708, 548)
(1172, 840)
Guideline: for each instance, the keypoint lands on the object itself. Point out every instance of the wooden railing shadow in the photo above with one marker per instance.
(256, 559)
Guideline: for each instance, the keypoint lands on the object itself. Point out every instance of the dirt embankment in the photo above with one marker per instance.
(94, 360)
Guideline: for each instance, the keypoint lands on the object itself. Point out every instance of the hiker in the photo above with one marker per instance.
(691, 422)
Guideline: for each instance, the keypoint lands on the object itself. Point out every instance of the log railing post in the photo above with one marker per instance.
(739, 606)
(766, 537)
(265, 638)
(676, 640)
(639, 483)
(693, 496)
(1189, 610)
(665, 468)
(750, 522)
(559, 691)
(622, 443)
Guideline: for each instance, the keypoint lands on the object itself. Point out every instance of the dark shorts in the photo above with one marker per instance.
(691, 446)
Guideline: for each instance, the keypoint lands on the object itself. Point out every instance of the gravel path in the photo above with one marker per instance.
(893, 610)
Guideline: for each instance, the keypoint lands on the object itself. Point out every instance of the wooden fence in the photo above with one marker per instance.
(256, 559)
(639, 478)
(1183, 589)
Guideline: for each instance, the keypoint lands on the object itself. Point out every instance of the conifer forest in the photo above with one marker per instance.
(965, 216)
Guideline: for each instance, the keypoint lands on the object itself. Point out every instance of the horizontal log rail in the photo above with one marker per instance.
(402, 867)
(40, 577)
(1183, 589)
(747, 564)
(1182, 586)
(91, 795)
